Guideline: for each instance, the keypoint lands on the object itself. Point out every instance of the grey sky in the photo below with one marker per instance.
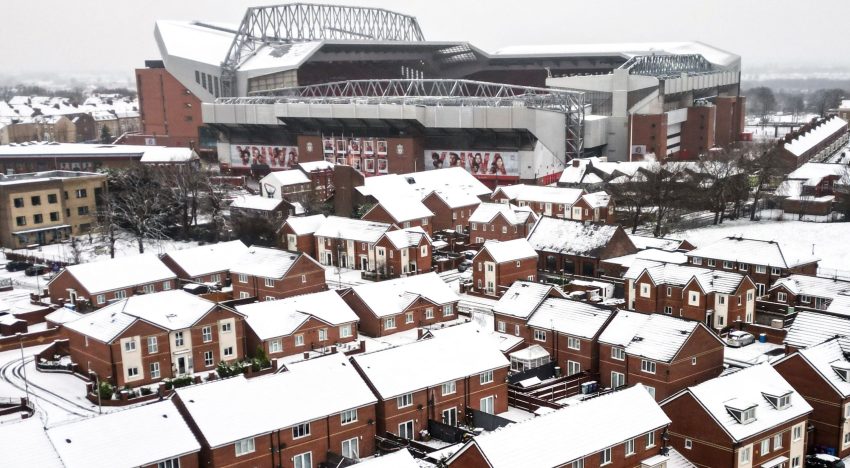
(117, 35)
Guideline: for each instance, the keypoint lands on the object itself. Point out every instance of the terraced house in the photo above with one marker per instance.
(269, 274)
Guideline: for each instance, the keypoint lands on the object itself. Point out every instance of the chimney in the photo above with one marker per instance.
(575, 162)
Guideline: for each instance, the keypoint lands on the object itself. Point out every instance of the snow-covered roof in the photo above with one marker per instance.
(27, 445)
(308, 391)
(425, 182)
(709, 281)
(170, 310)
(840, 304)
(283, 178)
(743, 389)
(660, 243)
(574, 318)
(651, 255)
(119, 273)
(148, 434)
(426, 363)
(59, 150)
(587, 426)
(625, 50)
(825, 357)
(272, 319)
(409, 237)
(302, 225)
(403, 209)
(207, 259)
(163, 154)
(513, 214)
(540, 193)
(454, 198)
(256, 202)
(310, 166)
(817, 171)
(811, 328)
(656, 337)
(570, 237)
(394, 296)
(193, 41)
(359, 230)
(813, 286)
(399, 459)
(815, 136)
(754, 252)
(534, 351)
(597, 199)
(508, 251)
(62, 315)
(266, 262)
(523, 298)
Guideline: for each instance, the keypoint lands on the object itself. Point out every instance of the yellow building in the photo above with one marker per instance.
(47, 207)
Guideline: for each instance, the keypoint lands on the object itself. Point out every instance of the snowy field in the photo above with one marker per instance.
(95, 250)
(829, 241)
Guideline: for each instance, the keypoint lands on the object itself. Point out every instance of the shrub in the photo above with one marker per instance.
(146, 391)
(105, 390)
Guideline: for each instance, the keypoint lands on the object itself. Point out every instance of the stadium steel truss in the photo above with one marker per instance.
(438, 92)
(667, 66)
(298, 22)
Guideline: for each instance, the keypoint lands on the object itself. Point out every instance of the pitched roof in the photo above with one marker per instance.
(275, 401)
(656, 337)
(210, 258)
(266, 262)
(120, 273)
(649, 255)
(409, 237)
(399, 459)
(455, 198)
(575, 318)
(256, 202)
(272, 319)
(424, 182)
(808, 140)
(513, 214)
(508, 251)
(359, 230)
(570, 237)
(31, 445)
(825, 357)
(811, 328)
(438, 360)
(541, 193)
(709, 281)
(587, 426)
(302, 225)
(597, 199)
(394, 296)
(284, 178)
(662, 243)
(813, 286)
(523, 298)
(403, 209)
(149, 434)
(743, 389)
(755, 252)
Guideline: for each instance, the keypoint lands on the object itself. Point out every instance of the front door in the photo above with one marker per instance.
(181, 365)
(364, 263)
(329, 258)
(450, 416)
(343, 261)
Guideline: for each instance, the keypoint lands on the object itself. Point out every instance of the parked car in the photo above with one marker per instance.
(738, 338)
(37, 269)
(464, 265)
(822, 460)
(17, 265)
(196, 288)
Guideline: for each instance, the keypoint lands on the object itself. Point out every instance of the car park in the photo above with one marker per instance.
(823, 460)
(738, 338)
(17, 265)
(36, 269)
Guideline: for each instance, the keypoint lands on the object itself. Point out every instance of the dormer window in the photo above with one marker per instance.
(842, 368)
(779, 400)
(744, 412)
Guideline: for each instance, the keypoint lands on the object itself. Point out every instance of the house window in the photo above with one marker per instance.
(350, 448)
(206, 334)
(408, 317)
(781, 296)
(516, 330)
(669, 291)
(269, 298)
(449, 388)
(710, 262)
(577, 464)
(474, 226)
(132, 372)
(244, 295)
(775, 271)
(404, 401)
(721, 299)
(37, 218)
(743, 266)
(647, 366)
(243, 278)
(244, 446)
(573, 343)
(693, 298)
(301, 430)
(797, 432)
(20, 220)
(101, 298)
(777, 441)
(761, 269)
(153, 345)
(166, 285)
(795, 462)
(500, 326)
(35, 200)
(618, 353)
(228, 351)
(448, 310)
(275, 346)
(694, 361)
(668, 310)
(728, 265)
(644, 290)
(630, 447)
(208, 358)
(618, 379)
(689, 444)
(130, 345)
(745, 454)
(405, 430)
(173, 463)
(605, 457)
(805, 299)
(120, 294)
(54, 216)
(19, 203)
(650, 390)
(539, 335)
(487, 405)
(148, 289)
(348, 416)
(323, 334)
(299, 340)
(389, 323)
(345, 330)
(423, 251)
(696, 260)
(154, 370)
(485, 377)
(81, 193)
(82, 210)
(429, 313)
(226, 327)
(269, 282)
(650, 439)
(573, 368)
(764, 446)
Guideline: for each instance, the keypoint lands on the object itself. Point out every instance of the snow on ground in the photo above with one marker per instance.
(752, 354)
(97, 250)
(828, 240)
(516, 414)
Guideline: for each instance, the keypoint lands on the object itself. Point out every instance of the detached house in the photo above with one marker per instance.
(319, 411)
(403, 252)
(297, 324)
(498, 264)
(501, 222)
(349, 243)
(143, 339)
(434, 378)
(763, 261)
(623, 429)
(401, 304)
(747, 418)
(402, 212)
(297, 233)
(452, 209)
(665, 354)
(544, 200)
(577, 248)
(821, 374)
(716, 298)
(96, 284)
(269, 274)
(205, 263)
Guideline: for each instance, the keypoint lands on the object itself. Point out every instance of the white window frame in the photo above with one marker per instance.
(154, 370)
(605, 457)
(648, 366)
(299, 339)
(228, 351)
(275, 346)
(650, 439)
(209, 360)
(244, 446)
(485, 377)
(101, 298)
(130, 345)
(764, 446)
(178, 339)
(206, 334)
(408, 317)
(299, 431)
(303, 460)
(761, 269)
(348, 452)
(781, 297)
(618, 354)
(404, 401)
(389, 323)
(348, 416)
(153, 345)
(573, 343)
(539, 335)
(448, 388)
(345, 331)
(448, 310)
(745, 454)
(630, 447)
(573, 367)
(689, 444)
(269, 282)
(242, 278)
(226, 327)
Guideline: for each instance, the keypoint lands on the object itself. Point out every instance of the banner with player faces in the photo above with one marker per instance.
(485, 165)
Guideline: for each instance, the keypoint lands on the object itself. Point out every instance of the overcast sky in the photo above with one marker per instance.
(117, 35)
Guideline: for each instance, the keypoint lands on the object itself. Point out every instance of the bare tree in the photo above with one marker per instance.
(141, 204)
(721, 181)
(766, 165)
(667, 188)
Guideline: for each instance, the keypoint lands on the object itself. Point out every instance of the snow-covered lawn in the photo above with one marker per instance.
(829, 241)
(97, 250)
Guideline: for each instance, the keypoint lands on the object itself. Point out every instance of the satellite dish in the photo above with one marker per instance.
(270, 190)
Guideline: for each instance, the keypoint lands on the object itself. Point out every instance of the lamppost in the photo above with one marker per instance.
(97, 391)
(23, 366)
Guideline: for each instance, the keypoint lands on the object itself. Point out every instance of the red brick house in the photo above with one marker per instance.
(577, 248)
(247, 208)
(269, 274)
(452, 209)
(205, 263)
(428, 379)
(747, 418)
(812, 328)
(498, 264)
(544, 200)
(298, 324)
(97, 284)
(349, 243)
(597, 207)
(667, 244)
(152, 436)
(501, 222)
(318, 408)
(582, 435)
(813, 293)
(665, 354)
(297, 233)
(146, 338)
(816, 139)
(763, 261)
(716, 298)
(403, 252)
(392, 306)
(401, 212)
(514, 308)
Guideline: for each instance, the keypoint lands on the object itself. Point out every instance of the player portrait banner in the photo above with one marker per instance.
(275, 157)
(485, 165)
